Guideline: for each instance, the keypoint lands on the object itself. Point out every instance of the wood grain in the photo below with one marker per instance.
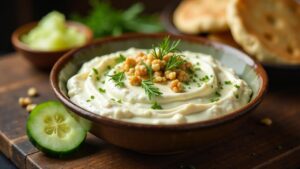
(252, 145)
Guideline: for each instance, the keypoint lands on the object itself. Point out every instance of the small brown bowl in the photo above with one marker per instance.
(44, 59)
(160, 139)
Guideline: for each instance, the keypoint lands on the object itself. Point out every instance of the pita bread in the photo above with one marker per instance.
(267, 29)
(197, 16)
(224, 37)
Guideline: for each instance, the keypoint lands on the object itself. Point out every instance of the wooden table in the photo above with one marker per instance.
(252, 145)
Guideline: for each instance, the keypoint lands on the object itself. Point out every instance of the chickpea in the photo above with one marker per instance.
(176, 86)
(150, 57)
(156, 65)
(170, 75)
(130, 61)
(131, 71)
(167, 56)
(24, 101)
(183, 76)
(140, 70)
(186, 66)
(135, 80)
(32, 92)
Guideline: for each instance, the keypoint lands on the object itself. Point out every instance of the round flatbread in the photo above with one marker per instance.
(267, 29)
(224, 37)
(197, 16)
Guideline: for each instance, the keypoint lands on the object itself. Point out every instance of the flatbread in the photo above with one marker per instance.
(224, 37)
(197, 16)
(267, 29)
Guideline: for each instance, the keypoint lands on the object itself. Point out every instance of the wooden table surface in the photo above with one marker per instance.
(252, 145)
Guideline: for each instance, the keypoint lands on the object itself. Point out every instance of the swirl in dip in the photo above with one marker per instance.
(158, 86)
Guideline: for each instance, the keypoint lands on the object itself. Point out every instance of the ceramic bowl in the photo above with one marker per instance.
(160, 139)
(44, 59)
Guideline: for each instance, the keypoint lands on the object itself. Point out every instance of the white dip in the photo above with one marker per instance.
(213, 91)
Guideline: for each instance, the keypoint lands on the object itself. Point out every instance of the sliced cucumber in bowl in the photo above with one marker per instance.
(53, 130)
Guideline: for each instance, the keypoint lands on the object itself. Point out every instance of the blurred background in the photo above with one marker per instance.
(18, 12)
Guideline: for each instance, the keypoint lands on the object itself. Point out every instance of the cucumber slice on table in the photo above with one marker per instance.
(53, 130)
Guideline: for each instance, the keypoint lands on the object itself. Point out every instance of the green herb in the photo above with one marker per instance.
(150, 89)
(165, 47)
(214, 99)
(205, 78)
(155, 105)
(119, 101)
(121, 58)
(236, 86)
(95, 71)
(236, 96)
(174, 62)
(88, 100)
(227, 82)
(92, 97)
(106, 21)
(218, 94)
(149, 70)
(118, 79)
(101, 90)
(107, 70)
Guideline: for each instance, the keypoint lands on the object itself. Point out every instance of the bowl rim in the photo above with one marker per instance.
(15, 38)
(186, 126)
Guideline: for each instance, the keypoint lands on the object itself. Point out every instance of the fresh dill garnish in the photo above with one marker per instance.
(95, 71)
(121, 58)
(214, 99)
(205, 78)
(149, 70)
(218, 94)
(118, 79)
(150, 89)
(236, 96)
(157, 106)
(174, 62)
(165, 47)
(119, 101)
(227, 82)
(88, 100)
(107, 70)
(236, 86)
(92, 97)
(101, 90)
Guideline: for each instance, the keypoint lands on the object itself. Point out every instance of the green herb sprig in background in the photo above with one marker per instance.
(104, 20)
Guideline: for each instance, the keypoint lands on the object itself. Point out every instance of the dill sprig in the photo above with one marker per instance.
(165, 47)
(174, 62)
(118, 79)
(149, 70)
(150, 89)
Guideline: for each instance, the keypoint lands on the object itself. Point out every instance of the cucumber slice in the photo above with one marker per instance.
(53, 130)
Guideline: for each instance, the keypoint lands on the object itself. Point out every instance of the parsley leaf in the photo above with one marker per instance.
(157, 106)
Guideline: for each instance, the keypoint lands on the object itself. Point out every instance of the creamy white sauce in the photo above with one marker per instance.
(205, 97)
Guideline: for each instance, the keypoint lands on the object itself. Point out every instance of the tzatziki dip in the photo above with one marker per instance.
(158, 86)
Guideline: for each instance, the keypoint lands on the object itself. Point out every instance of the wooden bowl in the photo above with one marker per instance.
(44, 59)
(160, 139)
